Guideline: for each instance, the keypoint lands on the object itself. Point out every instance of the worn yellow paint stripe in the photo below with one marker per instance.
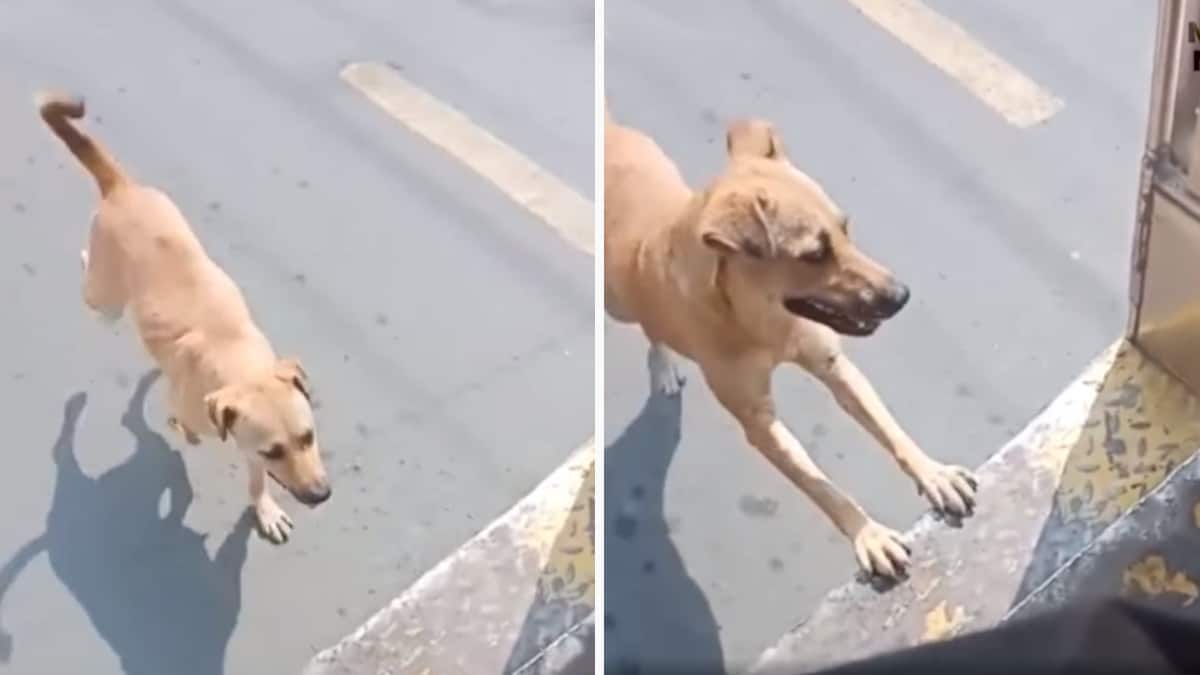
(1151, 576)
(562, 531)
(538, 191)
(1143, 426)
(946, 45)
(941, 622)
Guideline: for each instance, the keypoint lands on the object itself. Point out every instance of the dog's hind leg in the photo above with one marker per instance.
(745, 391)
(103, 290)
(665, 378)
(949, 489)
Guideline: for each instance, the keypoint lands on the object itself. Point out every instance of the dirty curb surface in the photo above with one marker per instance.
(1109, 439)
(1150, 554)
(518, 598)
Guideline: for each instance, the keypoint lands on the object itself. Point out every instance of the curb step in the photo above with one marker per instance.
(1151, 553)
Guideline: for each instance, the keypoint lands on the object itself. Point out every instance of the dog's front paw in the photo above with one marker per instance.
(178, 427)
(881, 551)
(665, 377)
(273, 523)
(949, 489)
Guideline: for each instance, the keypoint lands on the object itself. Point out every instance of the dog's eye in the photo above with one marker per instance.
(306, 439)
(816, 256)
(821, 253)
(276, 452)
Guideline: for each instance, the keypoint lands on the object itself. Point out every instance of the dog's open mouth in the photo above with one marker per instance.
(815, 310)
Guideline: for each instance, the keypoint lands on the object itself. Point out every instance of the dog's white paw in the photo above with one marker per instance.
(881, 551)
(950, 489)
(105, 317)
(188, 435)
(665, 378)
(273, 523)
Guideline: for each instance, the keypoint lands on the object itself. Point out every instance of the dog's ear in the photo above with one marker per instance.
(753, 138)
(743, 227)
(221, 412)
(289, 370)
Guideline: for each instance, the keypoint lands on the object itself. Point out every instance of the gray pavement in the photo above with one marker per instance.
(448, 333)
(1015, 243)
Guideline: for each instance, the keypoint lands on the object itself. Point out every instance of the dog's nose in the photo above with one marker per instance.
(900, 295)
(316, 494)
(893, 299)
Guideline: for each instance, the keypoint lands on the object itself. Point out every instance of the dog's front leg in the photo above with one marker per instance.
(176, 404)
(950, 489)
(180, 428)
(665, 378)
(745, 392)
(273, 523)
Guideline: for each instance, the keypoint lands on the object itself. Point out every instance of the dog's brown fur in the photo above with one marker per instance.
(755, 271)
(224, 378)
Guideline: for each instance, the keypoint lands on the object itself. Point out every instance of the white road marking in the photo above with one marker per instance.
(541, 518)
(537, 190)
(946, 45)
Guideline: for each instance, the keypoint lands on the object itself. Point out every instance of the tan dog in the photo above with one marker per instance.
(224, 378)
(755, 271)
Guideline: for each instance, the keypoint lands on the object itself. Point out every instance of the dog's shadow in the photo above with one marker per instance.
(144, 579)
(656, 616)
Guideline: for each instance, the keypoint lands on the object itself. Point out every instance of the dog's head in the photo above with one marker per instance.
(271, 418)
(779, 233)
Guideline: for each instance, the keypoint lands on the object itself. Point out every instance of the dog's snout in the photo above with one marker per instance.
(316, 493)
(885, 302)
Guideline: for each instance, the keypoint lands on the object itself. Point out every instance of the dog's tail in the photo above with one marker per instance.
(58, 110)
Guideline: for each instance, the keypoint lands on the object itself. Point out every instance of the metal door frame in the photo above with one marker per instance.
(1164, 317)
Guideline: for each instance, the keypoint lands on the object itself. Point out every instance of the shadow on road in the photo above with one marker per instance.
(145, 580)
(657, 618)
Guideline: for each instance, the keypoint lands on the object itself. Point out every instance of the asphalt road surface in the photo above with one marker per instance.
(448, 332)
(1015, 242)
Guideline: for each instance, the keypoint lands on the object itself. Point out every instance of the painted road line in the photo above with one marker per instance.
(1109, 439)
(541, 193)
(515, 596)
(952, 50)
(519, 598)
